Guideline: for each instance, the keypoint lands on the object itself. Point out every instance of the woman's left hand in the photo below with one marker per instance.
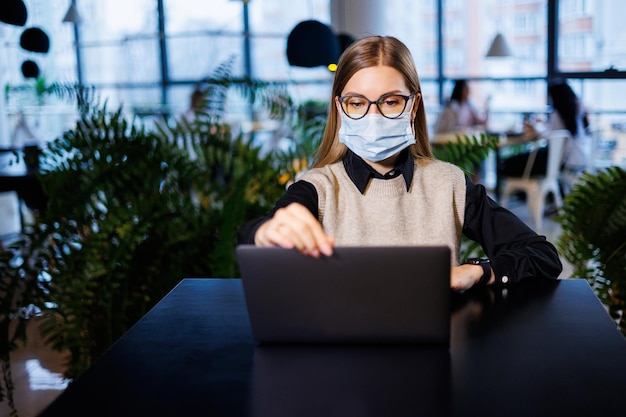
(464, 277)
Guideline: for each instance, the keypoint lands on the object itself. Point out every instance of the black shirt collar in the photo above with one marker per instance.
(360, 172)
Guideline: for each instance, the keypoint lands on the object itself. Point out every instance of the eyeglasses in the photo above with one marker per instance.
(390, 106)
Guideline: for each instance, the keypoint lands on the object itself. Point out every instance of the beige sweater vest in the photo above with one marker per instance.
(430, 213)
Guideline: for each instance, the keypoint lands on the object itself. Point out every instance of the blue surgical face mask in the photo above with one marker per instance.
(375, 137)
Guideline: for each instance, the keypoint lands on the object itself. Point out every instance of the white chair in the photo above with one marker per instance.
(588, 144)
(537, 188)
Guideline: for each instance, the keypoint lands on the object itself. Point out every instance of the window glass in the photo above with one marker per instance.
(603, 100)
(201, 36)
(115, 20)
(280, 16)
(591, 36)
(415, 24)
(189, 16)
(142, 101)
(192, 57)
(119, 41)
(129, 61)
(470, 27)
(601, 95)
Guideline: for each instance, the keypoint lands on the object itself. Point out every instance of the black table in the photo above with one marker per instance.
(540, 348)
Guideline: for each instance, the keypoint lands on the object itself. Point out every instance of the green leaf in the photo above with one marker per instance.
(467, 152)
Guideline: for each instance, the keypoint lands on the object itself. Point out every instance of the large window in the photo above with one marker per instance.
(149, 54)
(591, 36)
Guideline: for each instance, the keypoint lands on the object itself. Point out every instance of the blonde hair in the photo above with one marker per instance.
(369, 52)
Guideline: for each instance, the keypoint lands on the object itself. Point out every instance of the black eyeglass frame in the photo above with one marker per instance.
(377, 102)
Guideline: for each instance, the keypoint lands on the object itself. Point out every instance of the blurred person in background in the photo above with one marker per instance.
(569, 114)
(459, 114)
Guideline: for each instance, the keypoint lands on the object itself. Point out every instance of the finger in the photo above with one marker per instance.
(282, 230)
(295, 226)
(308, 232)
(300, 235)
(270, 235)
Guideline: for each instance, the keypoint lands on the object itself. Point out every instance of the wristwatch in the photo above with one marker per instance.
(486, 268)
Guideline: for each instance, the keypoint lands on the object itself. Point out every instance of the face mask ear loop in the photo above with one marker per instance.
(338, 107)
(416, 106)
(413, 114)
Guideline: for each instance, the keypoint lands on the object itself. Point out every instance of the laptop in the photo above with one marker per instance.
(363, 295)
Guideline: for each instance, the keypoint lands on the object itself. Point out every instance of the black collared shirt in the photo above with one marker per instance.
(515, 251)
(360, 172)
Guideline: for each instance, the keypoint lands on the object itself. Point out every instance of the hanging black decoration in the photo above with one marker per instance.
(35, 40)
(30, 69)
(13, 12)
(312, 44)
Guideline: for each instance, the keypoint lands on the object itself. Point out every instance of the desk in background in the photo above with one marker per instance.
(507, 141)
(510, 140)
(539, 348)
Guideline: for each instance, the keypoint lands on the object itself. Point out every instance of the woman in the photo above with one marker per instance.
(459, 114)
(567, 113)
(376, 183)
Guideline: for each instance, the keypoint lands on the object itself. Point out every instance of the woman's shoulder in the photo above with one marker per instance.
(320, 173)
(436, 165)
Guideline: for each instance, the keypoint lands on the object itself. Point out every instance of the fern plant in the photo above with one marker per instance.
(467, 152)
(593, 238)
(130, 212)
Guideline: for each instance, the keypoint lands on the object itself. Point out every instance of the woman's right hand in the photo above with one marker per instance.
(294, 226)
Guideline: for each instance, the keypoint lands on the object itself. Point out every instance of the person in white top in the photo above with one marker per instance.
(196, 101)
(570, 114)
(567, 113)
(460, 114)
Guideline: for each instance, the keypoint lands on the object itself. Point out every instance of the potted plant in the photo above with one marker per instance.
(593, 237)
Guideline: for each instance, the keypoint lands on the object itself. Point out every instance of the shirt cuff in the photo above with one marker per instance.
(503, 271)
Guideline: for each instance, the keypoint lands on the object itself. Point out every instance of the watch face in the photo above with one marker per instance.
(477, 261)
(480, 261)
